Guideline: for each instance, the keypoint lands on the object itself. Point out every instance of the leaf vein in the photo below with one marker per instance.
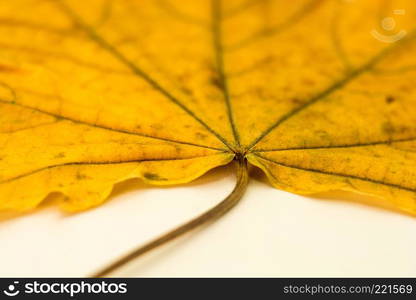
(217, 38)
(340, 146)
(105, 127)
(89, 163)
(94, 36)
(333, 88)
(348, 176)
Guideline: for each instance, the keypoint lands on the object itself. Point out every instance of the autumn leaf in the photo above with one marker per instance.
(320, 95)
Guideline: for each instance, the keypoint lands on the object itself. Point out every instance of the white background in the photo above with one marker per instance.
(270, 233)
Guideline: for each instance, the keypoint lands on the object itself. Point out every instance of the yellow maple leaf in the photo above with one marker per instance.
(319, 94)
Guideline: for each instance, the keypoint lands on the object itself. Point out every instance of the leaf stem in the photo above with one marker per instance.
(209, 216)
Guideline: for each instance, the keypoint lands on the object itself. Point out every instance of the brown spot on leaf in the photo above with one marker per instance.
(388, 128)
(81, 176)
(296, 101)
(390, 99)
(60, 155)
(215, 80)
(309, 82)
(157, 126)
(200, 136)
(153, 176)
(187, 91)
(8, 69)
(178, 149)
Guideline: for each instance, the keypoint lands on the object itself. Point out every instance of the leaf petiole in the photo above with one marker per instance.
(209, 216)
